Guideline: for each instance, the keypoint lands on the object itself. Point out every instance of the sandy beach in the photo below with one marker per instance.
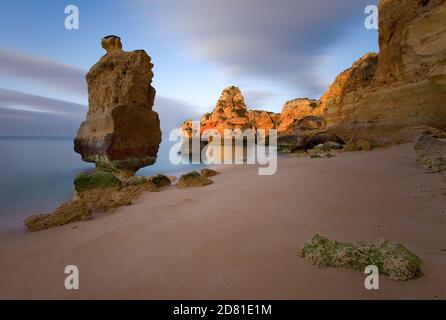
(237, 238)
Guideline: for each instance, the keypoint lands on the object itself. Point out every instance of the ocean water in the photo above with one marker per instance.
(36, 175)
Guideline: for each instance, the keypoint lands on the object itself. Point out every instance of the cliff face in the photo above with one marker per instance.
(338, 102)
(389, 98)
(121, 130)
(295, 110)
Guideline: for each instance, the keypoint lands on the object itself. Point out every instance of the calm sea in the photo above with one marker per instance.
(36, 175)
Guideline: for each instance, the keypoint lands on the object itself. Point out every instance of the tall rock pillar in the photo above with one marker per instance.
(121, 132)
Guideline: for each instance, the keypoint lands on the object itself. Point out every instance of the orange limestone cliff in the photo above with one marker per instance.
(392, 96)
(295, 110)
(231, 112)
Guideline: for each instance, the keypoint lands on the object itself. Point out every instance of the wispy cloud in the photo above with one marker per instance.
(26, 114)
(38, 69)
(16, 100)
(283, 40)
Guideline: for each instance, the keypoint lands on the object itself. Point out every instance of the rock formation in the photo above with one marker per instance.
(231, 112)
(98, 191)
(383, 96)
(296, 136)
(207, 173)
(295, 110)
(431, 153)
(121, 131)
(263, 120)
(336, 102)
(193, 179)
(392, 259)
(120, 135)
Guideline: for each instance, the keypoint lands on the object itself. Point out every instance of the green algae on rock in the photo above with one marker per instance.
(98, 179)
(160, 181)
(392, 259)
(193, 179)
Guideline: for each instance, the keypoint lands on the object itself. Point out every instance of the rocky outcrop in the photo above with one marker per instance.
(296, 137)
(383, 97)
(263, 120)
(321, 138)
(294, 111)
(431, 153)
(206, 172)
(193, 180)
(69, 212)
(345, 89)
(161, 180)
(121, 131)
(120, 135)
(231, 112)
(96, 192)
(392, 259)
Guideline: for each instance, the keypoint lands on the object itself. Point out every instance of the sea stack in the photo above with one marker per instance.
(231, 112)
(121, 133)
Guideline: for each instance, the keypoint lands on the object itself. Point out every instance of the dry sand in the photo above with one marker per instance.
(237, 238)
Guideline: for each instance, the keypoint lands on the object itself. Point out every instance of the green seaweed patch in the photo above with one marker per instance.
(160, 181)
(392, 259)
(193, 179)
(96, 180)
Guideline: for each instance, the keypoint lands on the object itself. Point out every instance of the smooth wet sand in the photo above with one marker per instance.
(237, 238)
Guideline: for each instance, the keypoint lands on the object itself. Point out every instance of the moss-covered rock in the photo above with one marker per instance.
(391, 258)
(98, 179)
(208, 173)
(68, 212)
(160, 181)
(193, 179)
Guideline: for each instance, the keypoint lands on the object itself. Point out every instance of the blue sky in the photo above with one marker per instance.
(273, 50)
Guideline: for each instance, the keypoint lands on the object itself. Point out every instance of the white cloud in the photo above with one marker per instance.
(34, 68)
